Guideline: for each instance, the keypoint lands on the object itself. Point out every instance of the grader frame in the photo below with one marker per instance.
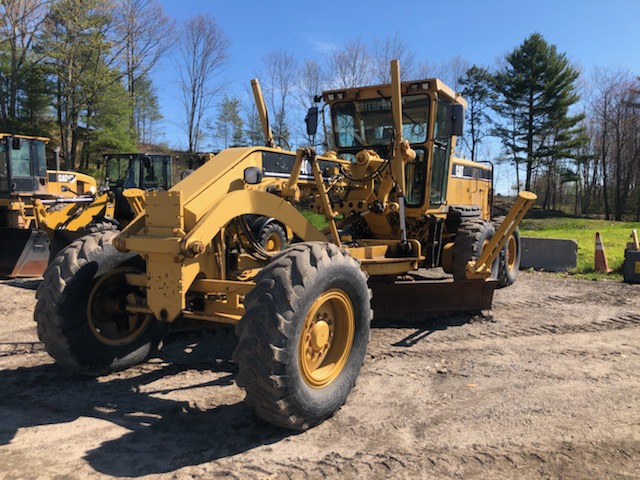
(174, 233)
(302, 315)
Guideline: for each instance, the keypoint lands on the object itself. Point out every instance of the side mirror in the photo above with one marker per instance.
(456, 120)
(15, 143)
(312, 121)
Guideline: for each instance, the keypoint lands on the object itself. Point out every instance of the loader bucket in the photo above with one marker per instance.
(415, 296)
(23, 252)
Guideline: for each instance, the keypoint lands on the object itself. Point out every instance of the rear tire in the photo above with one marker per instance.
(80, 310)
(470, 239)
(304, 335)
(273, 237)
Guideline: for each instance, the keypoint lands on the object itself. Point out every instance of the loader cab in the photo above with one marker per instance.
(361, 118)
(146, 171)
(23, 165)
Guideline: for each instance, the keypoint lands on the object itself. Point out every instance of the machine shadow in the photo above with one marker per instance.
(426, 324)
(24, 283)
(163, 434)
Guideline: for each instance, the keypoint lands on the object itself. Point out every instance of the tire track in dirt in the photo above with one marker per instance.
(448, 462)
(589, 297)
(516, 303)
(434, 337)
(626, 320)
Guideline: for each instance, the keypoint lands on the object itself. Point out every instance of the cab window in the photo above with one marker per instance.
(40, 156)
(441, 155)
(416, 178)
(4, 172)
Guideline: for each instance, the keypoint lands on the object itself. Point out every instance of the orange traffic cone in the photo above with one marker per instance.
(600, 261)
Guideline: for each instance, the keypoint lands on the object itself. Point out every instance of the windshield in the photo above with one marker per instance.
(155, 172)
(21, 159)
(123, 171)
(370, 122)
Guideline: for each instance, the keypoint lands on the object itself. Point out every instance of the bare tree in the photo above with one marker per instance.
(350, 67)
(279, 82)
(147, 34)
(203, 48)
(310, 82)
(20, 22)
(392, 48)
(453, 70)
(617, 122)
(448, 71)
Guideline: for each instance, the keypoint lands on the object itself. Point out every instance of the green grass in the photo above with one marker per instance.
(614, 235)
(317, 220)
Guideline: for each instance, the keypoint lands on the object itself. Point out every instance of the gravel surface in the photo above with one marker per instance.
(548, 386)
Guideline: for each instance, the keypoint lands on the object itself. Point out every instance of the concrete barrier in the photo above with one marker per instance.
(550, 254)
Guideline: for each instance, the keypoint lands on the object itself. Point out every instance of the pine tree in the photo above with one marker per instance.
(253, 131)
(537, 89)
(477, 89)
(147, 109)
(81, 64)
(228, 128)
(109, 130)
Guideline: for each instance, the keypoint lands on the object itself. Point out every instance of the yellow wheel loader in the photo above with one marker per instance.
(124, 174)
(25, 181)
(42, 211)
(145, 171)
(397, 203)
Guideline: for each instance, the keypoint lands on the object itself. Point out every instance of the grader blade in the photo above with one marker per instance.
(23, 252)
(418, 296)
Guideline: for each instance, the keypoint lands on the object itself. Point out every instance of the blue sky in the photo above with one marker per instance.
(591, 33)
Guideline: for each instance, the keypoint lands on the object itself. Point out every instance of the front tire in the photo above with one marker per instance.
(80, 313)
(471, 238)
(509, 257)
(304, 335)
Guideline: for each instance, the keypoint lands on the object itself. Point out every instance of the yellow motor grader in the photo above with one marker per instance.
(396, 202)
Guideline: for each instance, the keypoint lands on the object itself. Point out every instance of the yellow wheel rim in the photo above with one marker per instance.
(273, 243)
(107, 317)
(327, 337)
(512, 251)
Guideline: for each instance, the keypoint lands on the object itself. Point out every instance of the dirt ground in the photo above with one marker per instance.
(549, 388)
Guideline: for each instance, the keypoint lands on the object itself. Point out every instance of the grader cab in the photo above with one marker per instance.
(302, 315)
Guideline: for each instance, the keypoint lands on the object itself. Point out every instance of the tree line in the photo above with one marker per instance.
(571, 136)
(82, 73)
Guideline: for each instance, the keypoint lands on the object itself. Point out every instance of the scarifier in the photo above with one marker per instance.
(397, 203)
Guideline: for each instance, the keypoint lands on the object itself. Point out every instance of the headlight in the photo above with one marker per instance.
(252, 175)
